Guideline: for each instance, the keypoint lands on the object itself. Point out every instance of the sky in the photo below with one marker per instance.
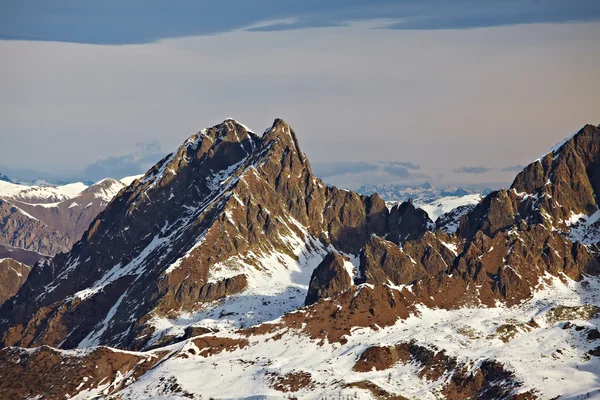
(454, 93)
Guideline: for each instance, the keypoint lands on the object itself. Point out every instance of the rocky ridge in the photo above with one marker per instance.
(253, 212)
(47, 219)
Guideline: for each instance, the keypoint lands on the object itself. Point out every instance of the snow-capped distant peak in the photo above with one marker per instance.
(444, 205)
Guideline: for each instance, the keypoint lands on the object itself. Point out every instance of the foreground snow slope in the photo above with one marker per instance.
(548, 355)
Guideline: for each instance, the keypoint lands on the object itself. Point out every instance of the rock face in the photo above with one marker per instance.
(229, 211)
(329, 278)
(226, 192)
(407, 222)
(555, 190)
(12, 275)
(19, 229)
(489, 380)
(40, 220)
(100, 367)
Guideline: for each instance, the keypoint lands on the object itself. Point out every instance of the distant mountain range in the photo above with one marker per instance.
(420, 194)
(49, 219)
(229, 270)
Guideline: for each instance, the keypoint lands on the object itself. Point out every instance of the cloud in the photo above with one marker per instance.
(404, 164)
(513, 168)
(325, 170)
(472, 170)
(148, 154)
(119, 22)
(29, 174)
(397, 170)
(352, 174)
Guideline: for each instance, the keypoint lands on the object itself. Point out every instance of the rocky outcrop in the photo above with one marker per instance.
(406, 222)
(551, 191)
(223, 288)
(489, 380)
(12, 275)
(100, 371)
(329, 278)
(372, 306)
(383, 261)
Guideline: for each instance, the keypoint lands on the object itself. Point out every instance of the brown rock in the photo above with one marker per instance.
(12, 275)
(329, 278)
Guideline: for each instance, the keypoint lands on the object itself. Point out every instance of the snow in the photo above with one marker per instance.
(549, 358)
(40, 194)
(128, 180)
(441, 206)
(277, 283)
(107, 189)
(451, 246)
(585, 229)
(53, 196)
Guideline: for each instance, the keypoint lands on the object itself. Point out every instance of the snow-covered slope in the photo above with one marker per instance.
(51, 196)
(444, 205)
(541, 349)
(543, 342)
(40, 194)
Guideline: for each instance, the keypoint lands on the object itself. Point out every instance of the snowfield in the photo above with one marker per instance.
(439, 207)
(549, 358)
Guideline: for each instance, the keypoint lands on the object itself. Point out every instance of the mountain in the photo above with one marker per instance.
(420, 194)
(231, 262)
(228, 210)
(4, 178)
(50, 219)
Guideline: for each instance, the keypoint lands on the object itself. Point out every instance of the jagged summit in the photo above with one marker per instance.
(165, 243)
(231, 252)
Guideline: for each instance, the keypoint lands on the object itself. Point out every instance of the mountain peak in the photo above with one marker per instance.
(279, 129)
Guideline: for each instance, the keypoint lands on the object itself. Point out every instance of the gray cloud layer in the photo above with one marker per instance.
(352, 174)
(148, 154)
(514, 168)
(472, 170)
(137, 21)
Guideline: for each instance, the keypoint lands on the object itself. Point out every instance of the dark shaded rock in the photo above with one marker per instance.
(407, 222)
(223, 288)
(328, 279)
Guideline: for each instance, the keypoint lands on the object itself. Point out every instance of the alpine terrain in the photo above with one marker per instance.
(230, 271)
